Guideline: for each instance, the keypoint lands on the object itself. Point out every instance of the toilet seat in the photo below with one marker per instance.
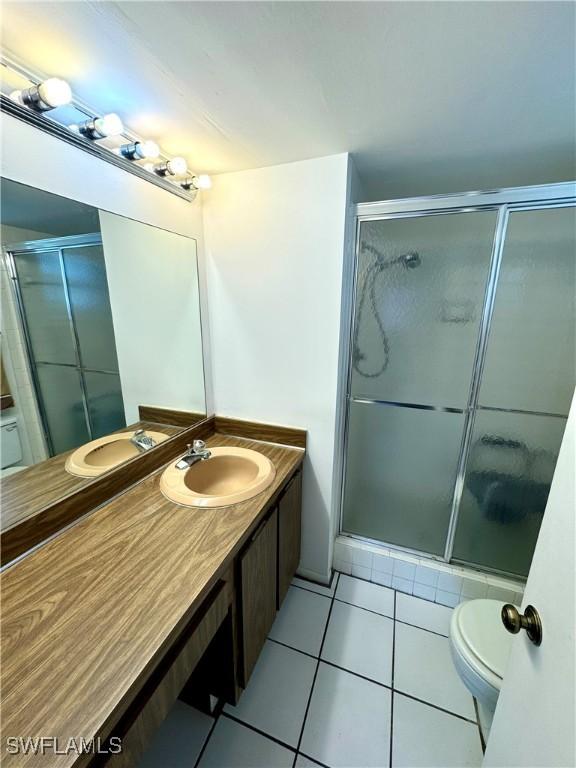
(480, 639)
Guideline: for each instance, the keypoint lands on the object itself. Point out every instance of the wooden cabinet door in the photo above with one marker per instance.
(289, 532)
(258, 566)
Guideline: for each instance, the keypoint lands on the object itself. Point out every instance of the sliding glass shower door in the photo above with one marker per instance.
(420, 293)
(64, 305)
(525, 393)
(461, 375)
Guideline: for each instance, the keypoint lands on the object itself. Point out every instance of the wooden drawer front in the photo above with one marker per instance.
(156, 700)
(258, 566)
(289, 533)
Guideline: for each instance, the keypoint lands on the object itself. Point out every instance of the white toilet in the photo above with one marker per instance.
(10, 447)
(480, 648)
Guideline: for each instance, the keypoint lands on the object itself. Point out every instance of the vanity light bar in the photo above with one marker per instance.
(34, 103)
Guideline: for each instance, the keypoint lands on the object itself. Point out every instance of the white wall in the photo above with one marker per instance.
(42, 161)
(274, 251)
(153, 283)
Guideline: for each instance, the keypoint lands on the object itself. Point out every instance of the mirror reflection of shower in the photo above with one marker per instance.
(410, 260)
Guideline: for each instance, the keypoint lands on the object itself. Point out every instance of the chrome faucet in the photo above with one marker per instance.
(142, 441)
(196, 452)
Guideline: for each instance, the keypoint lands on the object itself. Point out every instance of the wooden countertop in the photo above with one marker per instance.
(25, 493)
(86, 617)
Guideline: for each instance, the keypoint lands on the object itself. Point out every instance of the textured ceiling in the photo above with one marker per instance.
(430, 97)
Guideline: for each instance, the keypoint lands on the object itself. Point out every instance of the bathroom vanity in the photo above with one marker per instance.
(143, 601)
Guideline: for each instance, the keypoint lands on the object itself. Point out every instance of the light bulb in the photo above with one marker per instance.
(55, 92)
(52, 93)
(148, 149)
(109, 125)
(197, 182)
(100, 127)
(202, 182)
(176, 166)
(140, 150)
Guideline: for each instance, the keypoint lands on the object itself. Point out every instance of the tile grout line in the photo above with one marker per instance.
(313, 759)
(207, 739)
(315, 674)
(385, 616)
(372, 680)
(258, 731)
(313, 591)
(477, 710)
(292, 648)
(392, 684)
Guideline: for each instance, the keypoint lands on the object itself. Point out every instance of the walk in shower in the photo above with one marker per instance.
(461, 372)
(64, 306)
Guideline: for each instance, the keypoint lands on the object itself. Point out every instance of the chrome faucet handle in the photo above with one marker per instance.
(198, 445)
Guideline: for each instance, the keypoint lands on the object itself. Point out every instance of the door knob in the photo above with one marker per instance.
(514, 621)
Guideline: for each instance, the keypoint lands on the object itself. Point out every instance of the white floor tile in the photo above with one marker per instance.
(179, 740)
(234, 746)
(366, 595)
(304, 762)
(276, 697)
(302, 620)
(423, 668)
(424, 736)
(423, 614)
(348, 724)
(320, 589)
(360, 641)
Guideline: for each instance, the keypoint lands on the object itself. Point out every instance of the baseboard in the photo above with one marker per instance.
(319, 578)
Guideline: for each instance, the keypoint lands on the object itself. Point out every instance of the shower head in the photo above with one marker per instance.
(411, 260)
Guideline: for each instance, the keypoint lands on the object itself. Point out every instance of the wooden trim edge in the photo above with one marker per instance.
(269, 433)
(170, 416)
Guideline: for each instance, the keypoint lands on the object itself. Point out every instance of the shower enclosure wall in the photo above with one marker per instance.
(461, 372)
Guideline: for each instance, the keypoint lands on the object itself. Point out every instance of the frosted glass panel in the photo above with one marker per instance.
(419, 299)
(90, 302)
(530, 363)
(401, 470)
(44, 300)
(510, 468)
(61, 397)
(104, 403)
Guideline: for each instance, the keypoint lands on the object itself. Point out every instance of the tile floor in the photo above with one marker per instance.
(352, 676)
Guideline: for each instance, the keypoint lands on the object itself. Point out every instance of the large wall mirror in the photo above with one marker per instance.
(101, 345)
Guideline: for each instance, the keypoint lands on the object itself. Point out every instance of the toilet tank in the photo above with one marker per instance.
(10, 447)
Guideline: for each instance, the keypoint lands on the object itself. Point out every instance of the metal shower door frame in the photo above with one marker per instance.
(504, 201)
(53, 244)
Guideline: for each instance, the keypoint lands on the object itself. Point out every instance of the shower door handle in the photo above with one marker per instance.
(514, 621)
